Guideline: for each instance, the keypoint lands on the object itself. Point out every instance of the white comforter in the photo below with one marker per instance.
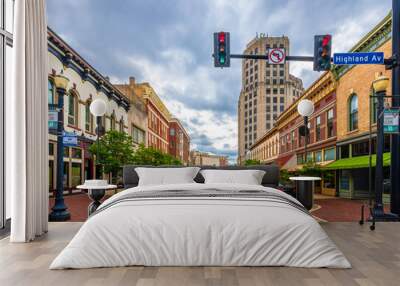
(200, 231)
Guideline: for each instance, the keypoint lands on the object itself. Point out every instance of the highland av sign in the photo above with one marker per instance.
(358, 58)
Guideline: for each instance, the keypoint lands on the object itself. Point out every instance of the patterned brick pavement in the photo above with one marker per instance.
(331, 209)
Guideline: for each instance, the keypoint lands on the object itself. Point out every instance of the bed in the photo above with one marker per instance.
(198, 224)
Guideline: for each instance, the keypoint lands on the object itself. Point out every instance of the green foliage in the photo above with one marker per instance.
(250, 162)
(154, 157)
(115, 150)
(310, 169)
(284, 177)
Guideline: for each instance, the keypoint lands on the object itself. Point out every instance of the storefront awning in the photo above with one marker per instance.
(356, 162)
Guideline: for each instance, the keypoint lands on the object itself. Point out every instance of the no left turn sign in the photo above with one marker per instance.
(276, 56)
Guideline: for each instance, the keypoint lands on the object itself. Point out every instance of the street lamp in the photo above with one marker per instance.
(380, 85)
(59, 210)
(98, 109)
(305, 108)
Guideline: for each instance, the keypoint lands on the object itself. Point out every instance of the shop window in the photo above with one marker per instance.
(360, 149)
(300, 159)
(318, 156)
(329, 124)
(76, 174)
(66, 152)
(310, 156)
(353, 112)
(76, 153)
(73, 109)
(329, 154)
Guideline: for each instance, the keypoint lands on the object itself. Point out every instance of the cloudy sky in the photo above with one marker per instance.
(169, 44)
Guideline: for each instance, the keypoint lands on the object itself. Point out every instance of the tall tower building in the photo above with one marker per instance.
(267, 90)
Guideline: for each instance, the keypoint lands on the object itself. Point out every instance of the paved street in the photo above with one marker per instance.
(328, 209)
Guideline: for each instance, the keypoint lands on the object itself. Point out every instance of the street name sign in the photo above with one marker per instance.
(70, 139)
(358, 58)
(276, 56)
(391, 120)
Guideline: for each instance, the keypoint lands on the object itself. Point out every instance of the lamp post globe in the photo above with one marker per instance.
(381, 83)
(98, 107)
(305, 107)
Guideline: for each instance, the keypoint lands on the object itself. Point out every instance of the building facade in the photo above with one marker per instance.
(267, 89)
(198, 158)
(266, 148)
(85, 85)
(356, 112)
(158, 116)
(289, 144)
(137, 115)
(179, 141)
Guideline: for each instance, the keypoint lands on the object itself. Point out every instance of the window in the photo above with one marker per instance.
(112, 121)
(329, 154)
(281, 108)
(72, 109)
(318, 128)
(172, 132)
(138, 135)
(318, 156)
(275, 100)
(353, 112)
(275, 91)
(281, 91)
(88, 118)
(281, 100)
(329, 124)
(51, 92)
(76, 153)
(121, 125)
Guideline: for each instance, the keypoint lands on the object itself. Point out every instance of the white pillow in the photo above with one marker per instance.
(248, 177)
(166, 176)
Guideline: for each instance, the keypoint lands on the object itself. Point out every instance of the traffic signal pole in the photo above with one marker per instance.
(263, 57)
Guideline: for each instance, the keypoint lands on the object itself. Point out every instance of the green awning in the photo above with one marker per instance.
(356, 162)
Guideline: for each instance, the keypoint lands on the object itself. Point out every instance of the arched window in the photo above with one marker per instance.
(88, 118)
(73, 109)
(353, 112)
(51, 92)
(121, 125)
(112, 121)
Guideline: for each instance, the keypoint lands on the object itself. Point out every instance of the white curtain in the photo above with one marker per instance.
(26, 124)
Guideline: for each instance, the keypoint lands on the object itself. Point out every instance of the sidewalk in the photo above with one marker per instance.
(330, 209)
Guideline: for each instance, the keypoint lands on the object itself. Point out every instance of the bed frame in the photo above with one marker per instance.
(270, 179)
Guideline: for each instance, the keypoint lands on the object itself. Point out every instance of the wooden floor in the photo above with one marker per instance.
(375, 257)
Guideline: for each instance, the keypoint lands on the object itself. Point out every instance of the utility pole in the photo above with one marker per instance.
(395, 146)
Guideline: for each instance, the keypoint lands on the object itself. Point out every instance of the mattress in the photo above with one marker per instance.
(201, 225)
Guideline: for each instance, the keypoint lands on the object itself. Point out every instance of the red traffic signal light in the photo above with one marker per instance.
(221, 49)
(322, 52)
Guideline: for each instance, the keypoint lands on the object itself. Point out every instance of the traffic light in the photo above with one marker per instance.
(322, 52)
(221, 50)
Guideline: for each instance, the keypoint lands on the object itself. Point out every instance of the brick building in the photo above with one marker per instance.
(158, 116)
(356, 110)
(179, 141)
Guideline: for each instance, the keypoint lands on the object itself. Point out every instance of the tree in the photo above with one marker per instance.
(151, 156)
(115, 151)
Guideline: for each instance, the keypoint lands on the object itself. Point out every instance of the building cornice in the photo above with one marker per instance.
(71, 59)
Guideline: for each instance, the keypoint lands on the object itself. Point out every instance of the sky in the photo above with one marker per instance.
(169, 44)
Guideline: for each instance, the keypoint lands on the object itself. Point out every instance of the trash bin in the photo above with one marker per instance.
(305, 193)
(305, 190)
